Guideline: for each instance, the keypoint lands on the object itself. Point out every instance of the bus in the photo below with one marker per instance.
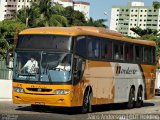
(80, 67)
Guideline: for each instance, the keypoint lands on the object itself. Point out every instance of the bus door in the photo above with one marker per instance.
(78, 79)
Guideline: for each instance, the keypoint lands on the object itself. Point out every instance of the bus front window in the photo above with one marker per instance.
(43, 67)
(27, 66)
(56, 67)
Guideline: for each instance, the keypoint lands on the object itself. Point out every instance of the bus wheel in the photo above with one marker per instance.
(131, 99)
(139, 101)
(87, 107)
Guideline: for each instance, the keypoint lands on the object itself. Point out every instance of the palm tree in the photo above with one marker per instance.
(43, 13)
(27, 15)
(40, 14)
(96, 23)
(58, 9)
(45, 7)
(142, 32)
(74, 17)
(58, 20)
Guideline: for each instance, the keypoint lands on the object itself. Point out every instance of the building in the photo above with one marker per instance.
(3, 3)
(9, 7)
(123, 18)
(83, 7)
(64, 3)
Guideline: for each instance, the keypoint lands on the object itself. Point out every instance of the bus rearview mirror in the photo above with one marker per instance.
(9, 62)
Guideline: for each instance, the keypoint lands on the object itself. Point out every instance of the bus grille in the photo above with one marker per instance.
(39, 89)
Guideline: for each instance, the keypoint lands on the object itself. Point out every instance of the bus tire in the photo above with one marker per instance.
(87, 106)
(139, 101)
(131, 99)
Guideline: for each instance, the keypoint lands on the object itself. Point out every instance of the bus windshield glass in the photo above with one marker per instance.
(44, 42)
(42, 67)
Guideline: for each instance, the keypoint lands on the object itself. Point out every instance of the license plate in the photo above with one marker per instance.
(39, 103)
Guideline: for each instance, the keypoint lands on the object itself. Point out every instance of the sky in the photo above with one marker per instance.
(98, 7)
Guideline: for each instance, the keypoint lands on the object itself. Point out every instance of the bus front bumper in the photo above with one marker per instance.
(49, 100)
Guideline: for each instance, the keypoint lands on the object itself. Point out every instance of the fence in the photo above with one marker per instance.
(4, 72)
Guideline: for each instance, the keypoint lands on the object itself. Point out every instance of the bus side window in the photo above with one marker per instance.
(116, 52)
(138, 53)
(121, 52)
(106, 49)
(147, 54)
(129, 53)
(93, 48)
(81, 46)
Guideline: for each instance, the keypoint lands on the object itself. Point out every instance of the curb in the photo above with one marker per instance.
(5, 100)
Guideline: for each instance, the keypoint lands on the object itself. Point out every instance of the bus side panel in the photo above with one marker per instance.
(149, 76)
(78, 92)
(100, 77)
(126, 76)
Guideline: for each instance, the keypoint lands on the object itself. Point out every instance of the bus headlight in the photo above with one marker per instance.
(61, 92)
(18, 89)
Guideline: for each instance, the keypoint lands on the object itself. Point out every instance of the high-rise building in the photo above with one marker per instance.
(123, 18)
(9, 7)
(3, 3)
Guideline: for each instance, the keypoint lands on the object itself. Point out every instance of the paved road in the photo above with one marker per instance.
(8, 111)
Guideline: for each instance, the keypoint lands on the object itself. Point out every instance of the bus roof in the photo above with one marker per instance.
(85, 30)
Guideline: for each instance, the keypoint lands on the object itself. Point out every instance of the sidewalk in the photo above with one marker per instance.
(5, 90)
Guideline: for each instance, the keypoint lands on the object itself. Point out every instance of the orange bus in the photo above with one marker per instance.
(82, 66)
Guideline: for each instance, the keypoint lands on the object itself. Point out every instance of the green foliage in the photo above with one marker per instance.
(142, 32)
(8, 29)
(156, 4)
(74, 17)
(58, 20)
(42, 13)
(96, 23)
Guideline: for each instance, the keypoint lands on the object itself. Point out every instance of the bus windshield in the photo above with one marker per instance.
(42, 67)
(44, 42)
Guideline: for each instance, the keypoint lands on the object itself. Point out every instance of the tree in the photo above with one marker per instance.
(156, 4)
(58, 20)
(45, 7)
(142, 32)
(41, 14)
(8, 29)
(59, 9)
(96, 23)
(27, 16)
(75, 18)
